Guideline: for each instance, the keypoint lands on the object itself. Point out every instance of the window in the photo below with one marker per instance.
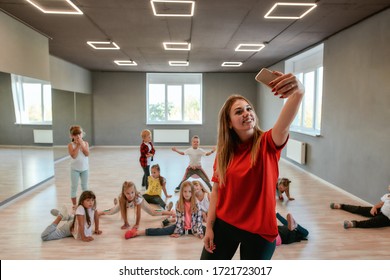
(308, 67)
(32, 100)
(174, 98)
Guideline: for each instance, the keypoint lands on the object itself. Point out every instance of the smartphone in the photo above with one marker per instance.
(265, 76)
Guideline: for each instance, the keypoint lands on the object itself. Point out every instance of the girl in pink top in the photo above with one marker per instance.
(188, 217)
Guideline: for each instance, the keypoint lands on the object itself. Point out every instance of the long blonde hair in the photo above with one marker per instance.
(228, 139)
(204, 190)
(123, 200)
(180, 203)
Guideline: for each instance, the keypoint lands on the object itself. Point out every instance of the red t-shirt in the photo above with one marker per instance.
(247, 200)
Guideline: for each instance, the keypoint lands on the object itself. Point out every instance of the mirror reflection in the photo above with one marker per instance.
(26, 139)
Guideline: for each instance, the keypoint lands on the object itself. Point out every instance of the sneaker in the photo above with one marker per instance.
(131, 233)
(334, 205)
(292, 224)
(177, 189)
(165, 222)
(348, 224)
(170, 205)
(63, 212)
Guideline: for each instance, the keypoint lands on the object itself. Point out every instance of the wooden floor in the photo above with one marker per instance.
(23, 219)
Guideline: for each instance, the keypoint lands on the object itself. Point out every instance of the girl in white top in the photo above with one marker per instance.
(79, 226)
(203, 197)
(79, 151)
(85, 216)
(131, 198)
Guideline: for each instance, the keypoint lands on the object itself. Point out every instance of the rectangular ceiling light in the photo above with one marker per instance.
(170, 46)
(231, 64)
(249, 47)
(56, 7)
(289, 10)
(172, 8)
(103, 45)
(179, 63)
(125, 62)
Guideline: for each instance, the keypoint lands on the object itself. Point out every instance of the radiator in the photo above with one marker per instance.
(43, 136)
(296, 151)
(171, 135)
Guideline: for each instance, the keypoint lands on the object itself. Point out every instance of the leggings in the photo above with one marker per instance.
(75, 176)
(145, 182)
(227, 238)
(379, 220)
(54, 232)
(198, 171)
(154, 199)
(304, 232)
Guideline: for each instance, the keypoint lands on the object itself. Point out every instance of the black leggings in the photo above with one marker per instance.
(379, 220)
(145, 182)
(227, 238)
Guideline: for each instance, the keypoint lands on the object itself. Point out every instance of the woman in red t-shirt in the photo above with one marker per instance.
(242, 206)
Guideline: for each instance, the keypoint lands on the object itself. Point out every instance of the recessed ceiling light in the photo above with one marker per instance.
(249, 47)
(177, 46)
(125, 62)
(172, 8)
(231, 64)
(59, 7)
(103, 45)
(289, 10)
(179, 63)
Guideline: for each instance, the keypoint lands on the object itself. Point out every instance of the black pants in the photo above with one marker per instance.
(145, 177)
(154, 199)
(227, 238)
(379, 220)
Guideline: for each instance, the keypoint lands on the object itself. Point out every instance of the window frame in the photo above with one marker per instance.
(305, 63)
(174, 80)
(19, 99)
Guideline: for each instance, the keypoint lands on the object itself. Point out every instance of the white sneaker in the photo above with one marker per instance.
(63, 212)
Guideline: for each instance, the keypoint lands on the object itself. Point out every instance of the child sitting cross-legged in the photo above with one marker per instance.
(188, 217)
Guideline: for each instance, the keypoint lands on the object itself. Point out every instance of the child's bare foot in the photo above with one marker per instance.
(125, 226)
(292, 224)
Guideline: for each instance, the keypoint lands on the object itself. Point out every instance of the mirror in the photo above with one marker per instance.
(70, 108)
(26, 139)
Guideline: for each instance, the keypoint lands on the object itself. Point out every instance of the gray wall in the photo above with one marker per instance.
(120, 100)
(69, 77)
(23, 51)
(353, 149)
(71, 108)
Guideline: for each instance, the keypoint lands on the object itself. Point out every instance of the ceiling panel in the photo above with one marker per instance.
(214, 31)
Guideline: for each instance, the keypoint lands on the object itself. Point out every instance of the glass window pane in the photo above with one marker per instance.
(192, 103)
(174, 97)
(32, 102)
(319, 98)
(156, 101)
(308, 114)
(47, 115)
